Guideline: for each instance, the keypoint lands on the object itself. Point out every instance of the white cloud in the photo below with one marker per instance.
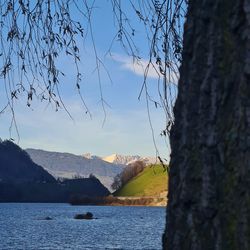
(139, 67)
(136, 66)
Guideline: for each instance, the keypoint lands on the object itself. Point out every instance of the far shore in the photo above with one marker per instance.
(120, 201)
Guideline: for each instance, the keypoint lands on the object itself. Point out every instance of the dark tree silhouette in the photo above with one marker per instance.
(208, 205)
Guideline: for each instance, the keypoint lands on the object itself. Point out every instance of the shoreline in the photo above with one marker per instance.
(120, 201)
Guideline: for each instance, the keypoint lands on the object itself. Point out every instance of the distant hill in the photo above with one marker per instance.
(16, 166)
(152, 181)
(64, 191)
(21, 180)
(148, 188)
(127, 159)
(69, 165)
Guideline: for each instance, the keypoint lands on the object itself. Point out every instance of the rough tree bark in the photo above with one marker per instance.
(209, 189)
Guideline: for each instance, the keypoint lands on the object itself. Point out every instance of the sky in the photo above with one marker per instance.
(125, 129)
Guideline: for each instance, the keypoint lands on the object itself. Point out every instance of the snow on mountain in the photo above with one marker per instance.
(69, 165)
(90, 156)
(127, 159)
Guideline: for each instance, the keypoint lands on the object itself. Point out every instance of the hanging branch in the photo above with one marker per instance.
(163, 21)
(34, 34)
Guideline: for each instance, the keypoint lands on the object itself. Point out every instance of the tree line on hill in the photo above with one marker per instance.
(129, 172)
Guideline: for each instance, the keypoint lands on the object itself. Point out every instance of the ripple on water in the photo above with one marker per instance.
(23, 227)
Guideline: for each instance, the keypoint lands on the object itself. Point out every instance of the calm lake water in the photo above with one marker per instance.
(22, 227)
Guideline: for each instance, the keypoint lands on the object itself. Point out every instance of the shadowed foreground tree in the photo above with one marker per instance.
(209, 194)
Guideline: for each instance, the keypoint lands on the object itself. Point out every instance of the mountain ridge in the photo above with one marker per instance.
(22, 180)
(67, 165)
(17, 166)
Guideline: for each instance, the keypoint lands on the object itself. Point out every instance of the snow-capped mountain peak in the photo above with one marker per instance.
(127, 159)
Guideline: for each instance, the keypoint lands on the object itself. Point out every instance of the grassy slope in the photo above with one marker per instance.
(151, 182)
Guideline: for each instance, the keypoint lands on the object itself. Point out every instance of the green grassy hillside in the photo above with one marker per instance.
(150, 182)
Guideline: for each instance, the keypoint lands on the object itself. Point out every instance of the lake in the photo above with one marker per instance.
(22, 226)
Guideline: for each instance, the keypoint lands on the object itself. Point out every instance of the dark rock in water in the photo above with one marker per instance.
(48, 218)
(87, 216)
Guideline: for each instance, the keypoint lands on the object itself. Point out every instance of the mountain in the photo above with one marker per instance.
(90, 156)
(22, 180)
(16, 166)
(70, 165)
(127, 159)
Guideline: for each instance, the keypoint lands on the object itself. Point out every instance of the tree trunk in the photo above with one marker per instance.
(209, 189)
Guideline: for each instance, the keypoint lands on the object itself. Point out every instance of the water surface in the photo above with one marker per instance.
(22, 227)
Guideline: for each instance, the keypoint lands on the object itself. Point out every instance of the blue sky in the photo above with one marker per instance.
(126, 129)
